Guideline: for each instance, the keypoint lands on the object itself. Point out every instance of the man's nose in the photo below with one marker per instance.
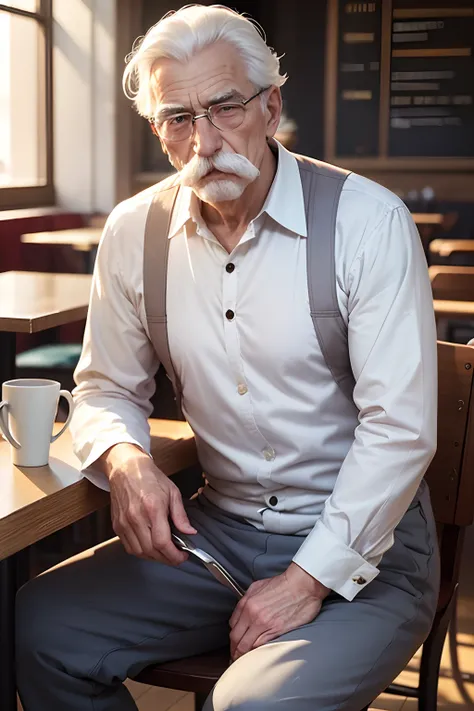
(207, 138)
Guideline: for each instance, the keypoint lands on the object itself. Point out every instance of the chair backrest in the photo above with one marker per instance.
(452, 283)
(451, 473)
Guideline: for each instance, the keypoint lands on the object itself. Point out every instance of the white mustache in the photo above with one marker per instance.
(224, 161)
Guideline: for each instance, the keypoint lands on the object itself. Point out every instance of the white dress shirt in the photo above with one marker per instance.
(279, 443)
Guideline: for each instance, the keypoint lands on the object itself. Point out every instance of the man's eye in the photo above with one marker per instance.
(227, 108)
(178, 120)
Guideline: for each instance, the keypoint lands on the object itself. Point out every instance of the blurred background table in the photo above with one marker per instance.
(427, 218)
(35, 301)
(448, 247)
(82, 239)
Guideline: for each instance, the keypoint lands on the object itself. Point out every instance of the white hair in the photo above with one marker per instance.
(181, 34)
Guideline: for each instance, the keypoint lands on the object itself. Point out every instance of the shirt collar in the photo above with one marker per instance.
(284, 202)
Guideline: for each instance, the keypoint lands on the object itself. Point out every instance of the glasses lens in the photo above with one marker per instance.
(227, 117)
(176, 128)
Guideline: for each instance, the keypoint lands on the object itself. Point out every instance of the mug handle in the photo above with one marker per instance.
(4, 425)
(67, 396)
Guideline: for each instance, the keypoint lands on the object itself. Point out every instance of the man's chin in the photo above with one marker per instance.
(222, 190)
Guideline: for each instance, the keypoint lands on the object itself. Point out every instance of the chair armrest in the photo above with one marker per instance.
(173, 447)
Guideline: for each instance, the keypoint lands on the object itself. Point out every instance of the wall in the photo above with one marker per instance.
(84, 104)
(298, 31)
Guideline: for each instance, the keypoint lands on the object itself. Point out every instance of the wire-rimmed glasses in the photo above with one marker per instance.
(226, 116)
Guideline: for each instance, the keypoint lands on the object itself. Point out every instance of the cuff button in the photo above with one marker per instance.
(359, 580)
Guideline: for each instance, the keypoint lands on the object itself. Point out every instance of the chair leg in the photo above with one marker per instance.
(431, 659)
(199, 700)
(453, 645)
(454, 655)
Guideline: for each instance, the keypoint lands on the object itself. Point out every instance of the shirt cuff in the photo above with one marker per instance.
(95, 475)
(334, 564)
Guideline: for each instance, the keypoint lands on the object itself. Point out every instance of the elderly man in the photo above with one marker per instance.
(314, 502)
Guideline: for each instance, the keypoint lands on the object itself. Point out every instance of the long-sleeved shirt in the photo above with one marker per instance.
(278, 442)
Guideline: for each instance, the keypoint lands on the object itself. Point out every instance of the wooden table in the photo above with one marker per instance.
(37, 501)
(446, 247)
(82, 239)
(427, 218)
(454, 309)
(34, 301)
(428, 224)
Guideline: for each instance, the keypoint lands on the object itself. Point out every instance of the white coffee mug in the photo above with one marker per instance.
(27, 414)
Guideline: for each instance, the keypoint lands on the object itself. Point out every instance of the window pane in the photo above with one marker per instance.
(22, 102)
(29, 5)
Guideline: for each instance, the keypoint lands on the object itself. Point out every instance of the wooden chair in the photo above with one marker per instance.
(452, 283)
(451, 481)
(453, 295)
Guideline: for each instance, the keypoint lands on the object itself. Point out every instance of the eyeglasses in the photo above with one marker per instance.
(226, 117)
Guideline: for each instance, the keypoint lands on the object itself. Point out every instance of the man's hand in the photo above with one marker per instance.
(274, 606)
(143, 499)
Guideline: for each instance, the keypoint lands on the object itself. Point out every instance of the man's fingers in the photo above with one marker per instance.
(237, 613)
(238, 631)
(179, 515)
(141, 532)
(162, 542)
(130, 542)
(246, 641)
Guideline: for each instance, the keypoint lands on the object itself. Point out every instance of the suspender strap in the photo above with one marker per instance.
(155, 273)
(322, 185)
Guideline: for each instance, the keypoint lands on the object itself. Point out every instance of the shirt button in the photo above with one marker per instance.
(273, 501)
(230, 268)
(269, 454)
(359, 580)
(242, 389)
(229, 314)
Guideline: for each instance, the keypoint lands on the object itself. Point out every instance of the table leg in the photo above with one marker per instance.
(7, 355)
(13, 573)
(90, 260)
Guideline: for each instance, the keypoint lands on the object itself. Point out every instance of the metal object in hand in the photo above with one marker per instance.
(213, 566)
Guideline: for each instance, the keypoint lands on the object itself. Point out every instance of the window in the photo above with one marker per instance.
(25, 104)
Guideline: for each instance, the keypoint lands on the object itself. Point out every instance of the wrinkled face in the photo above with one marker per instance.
(217, 164)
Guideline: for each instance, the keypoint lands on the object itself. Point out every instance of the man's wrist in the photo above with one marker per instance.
(118, 456)
(300, 578)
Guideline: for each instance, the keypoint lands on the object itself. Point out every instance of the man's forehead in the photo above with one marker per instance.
(208, 76)
(162, 110)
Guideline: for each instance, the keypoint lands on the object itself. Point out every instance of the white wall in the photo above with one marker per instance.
(84, 104)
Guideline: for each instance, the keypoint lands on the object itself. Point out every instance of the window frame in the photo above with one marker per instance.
(37, 195)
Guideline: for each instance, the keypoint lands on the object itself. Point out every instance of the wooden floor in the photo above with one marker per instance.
(450, 697)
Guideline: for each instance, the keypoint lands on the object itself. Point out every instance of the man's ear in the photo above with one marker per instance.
(273, 110)
(155, 133)
(163, 147)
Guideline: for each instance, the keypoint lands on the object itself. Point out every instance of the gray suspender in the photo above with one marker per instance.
(321, 191)
(155, 276)
(322, 185)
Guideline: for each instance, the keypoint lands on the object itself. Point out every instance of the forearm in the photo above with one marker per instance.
(374, 489)
(119, 457)
(99, 424)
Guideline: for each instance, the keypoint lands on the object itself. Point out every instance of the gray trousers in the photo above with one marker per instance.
(93, 621)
